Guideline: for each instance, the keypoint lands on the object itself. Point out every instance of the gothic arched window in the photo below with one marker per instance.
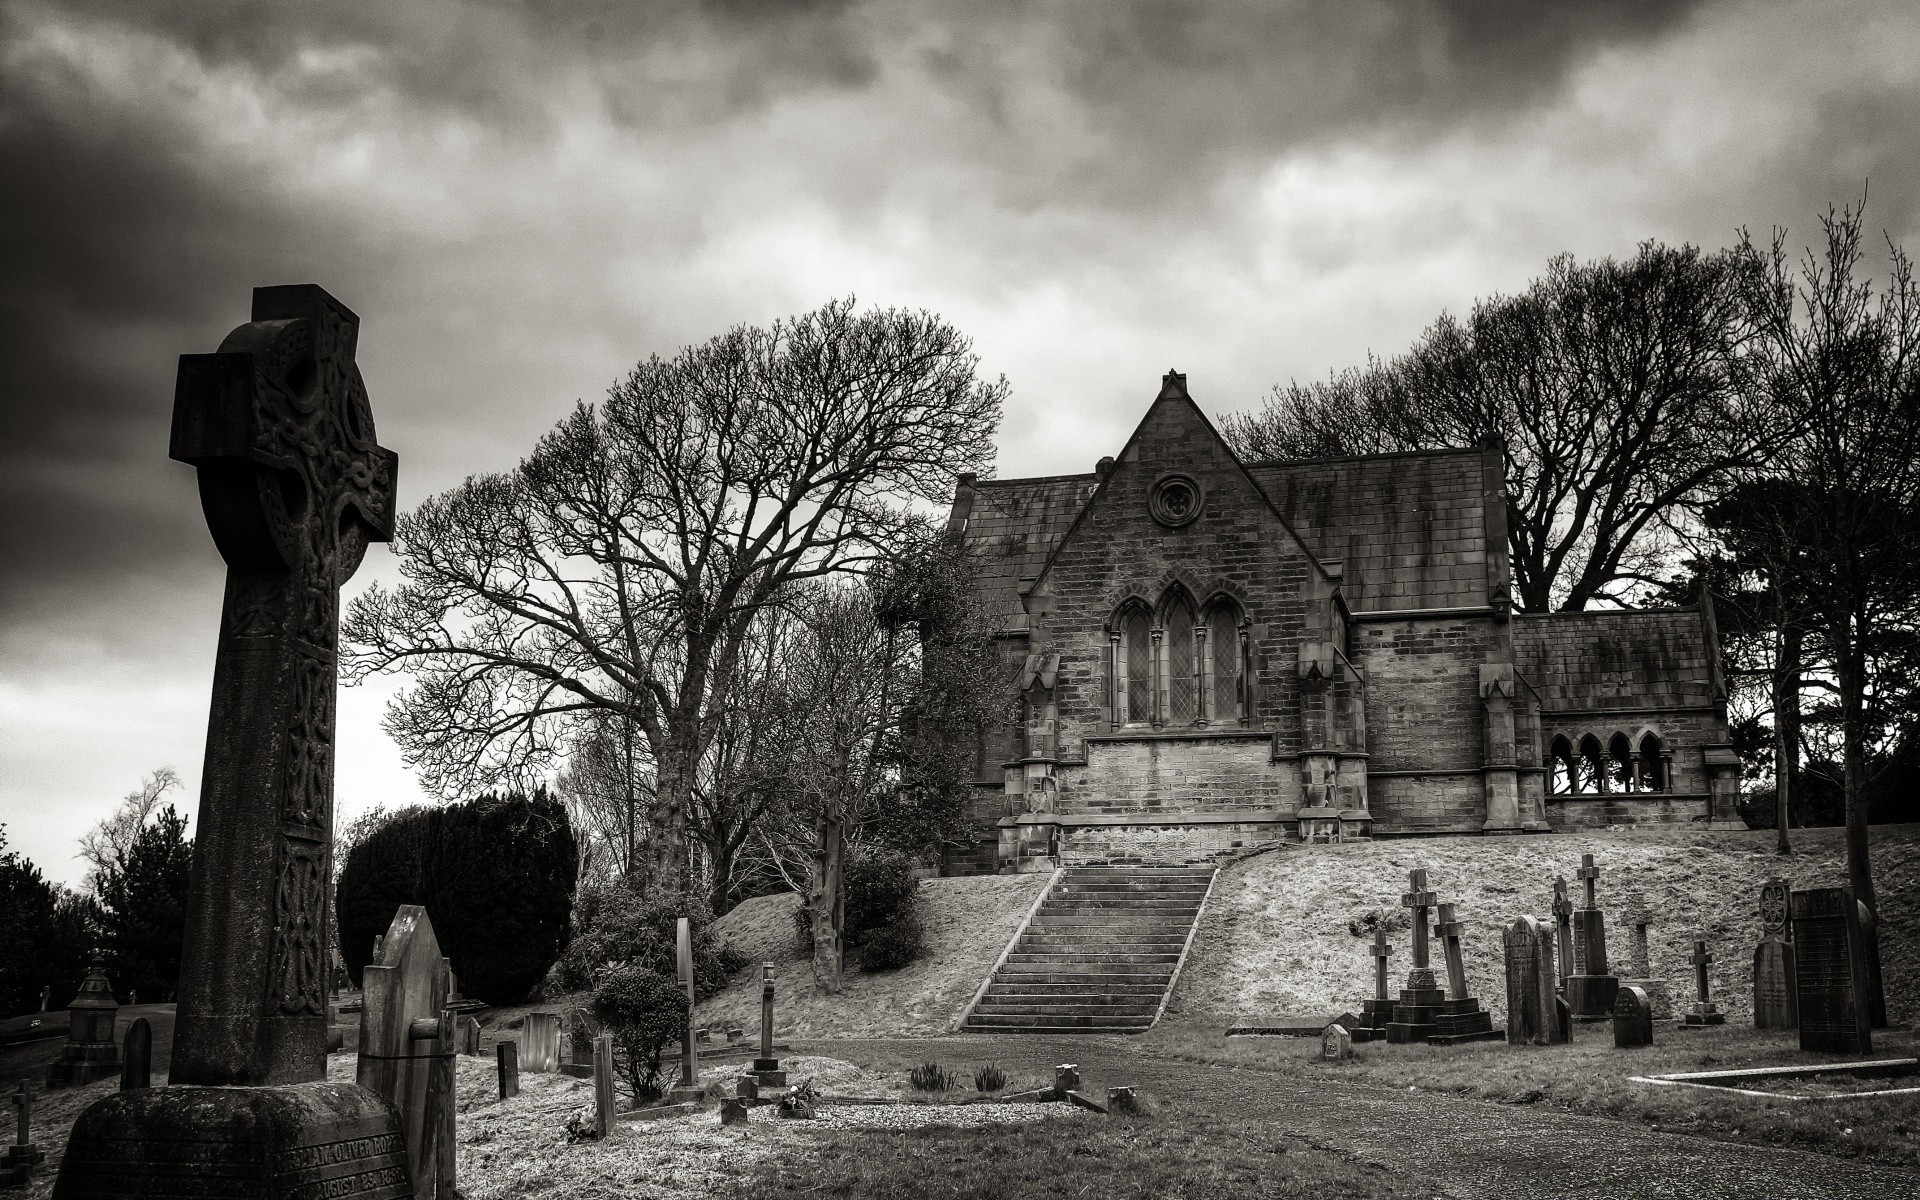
(1564, 777)
(1183, 692)
(1620, 763)
(1137, 633)
(1593, 765)
(1226, 684)
(1653, 772)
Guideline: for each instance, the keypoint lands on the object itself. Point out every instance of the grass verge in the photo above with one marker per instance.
(1590, 1076)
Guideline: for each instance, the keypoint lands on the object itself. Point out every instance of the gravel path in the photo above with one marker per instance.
(1471, 1148)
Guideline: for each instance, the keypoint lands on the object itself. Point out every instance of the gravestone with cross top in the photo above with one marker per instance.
(16, 1166)
(1704, 1011)
(1461, 1019)
(1422, 997)
(294, 487)
(1563, 928)
(1591, 991)
(1638, 915)
(1376, 1011)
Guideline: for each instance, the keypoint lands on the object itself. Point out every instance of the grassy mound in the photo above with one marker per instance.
(1284, 932)
(968, 921)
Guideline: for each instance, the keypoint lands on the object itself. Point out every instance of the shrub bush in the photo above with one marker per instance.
(496, 876)
(614, 924)
(891, 947)
(645, 1012)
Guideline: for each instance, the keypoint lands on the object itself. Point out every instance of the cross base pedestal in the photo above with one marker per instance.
(1464, 1021)
(1703, 1013)
(17, 1164)
(1374, 1017)
(81, 1063)
(1413, 1016)
(302, 1141)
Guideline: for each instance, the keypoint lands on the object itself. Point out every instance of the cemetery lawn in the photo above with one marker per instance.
(1590, 1076)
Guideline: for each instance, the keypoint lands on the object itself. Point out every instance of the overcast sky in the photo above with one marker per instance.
(520, 200)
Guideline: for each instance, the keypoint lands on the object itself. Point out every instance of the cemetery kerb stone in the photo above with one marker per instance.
(1830, 971)
(1774, 1004)
(1422, 997)
(1704, 1011)
(1640, 966)
(1632, 1018)
(1590, 993)
(407, 1045)
(1531, 997)
(294, 487)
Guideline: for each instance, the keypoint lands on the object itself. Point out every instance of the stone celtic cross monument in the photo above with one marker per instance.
(1773, 963)
(1591, 990)
(294, 487)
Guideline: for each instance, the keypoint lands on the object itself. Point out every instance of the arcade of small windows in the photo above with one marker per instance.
(1617, 767)
(1177, 664)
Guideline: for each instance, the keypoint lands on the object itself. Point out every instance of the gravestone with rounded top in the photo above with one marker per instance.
(294, 487)
(1632, 1018)
(408, 1043)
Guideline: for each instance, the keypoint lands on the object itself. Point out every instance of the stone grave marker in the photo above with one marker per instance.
(1462, 1019)
(1563, 928)
(683, 959)
(1531, 1020)
(46, 997)
(1830, 971)
(1336, 1044)
(16, 1166)
(766, 1069)
(469, 1035)
(540, 1039)
(1378, 1011)
(294, 487)
(733, 1111)
(1632, 1018)
(1704, 1011)
(1422, 998)
(91, 1051)
(407, 1046)
(506, 1056)
(603, 1103)
(1590, 993)
(136, 1056)
(1638, 916)
(1774, 1006)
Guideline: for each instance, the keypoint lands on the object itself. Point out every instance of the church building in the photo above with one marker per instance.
(1202, 655)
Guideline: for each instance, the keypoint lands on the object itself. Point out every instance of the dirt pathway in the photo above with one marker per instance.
(1471, 1148)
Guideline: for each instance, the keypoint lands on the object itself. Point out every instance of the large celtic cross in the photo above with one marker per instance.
(294, 487)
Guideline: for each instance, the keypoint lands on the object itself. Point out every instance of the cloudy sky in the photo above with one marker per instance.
(521, 199)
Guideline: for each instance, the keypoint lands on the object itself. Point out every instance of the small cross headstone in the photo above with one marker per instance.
(1419, 898)
(1773, 962)
(1449, 928)
(1381, 952)
(1336, 1044)
(136, 1056)
(1831, 978)
(1638, 916)
(1632, 1018)
(1590, 990)
(766, 1068)
(603, 1108)
(1704, 1011)
(507, 1058)
(16, 1166)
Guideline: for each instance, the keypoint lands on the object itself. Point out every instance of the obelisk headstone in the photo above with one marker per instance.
(1774, 1006)
(294, 487)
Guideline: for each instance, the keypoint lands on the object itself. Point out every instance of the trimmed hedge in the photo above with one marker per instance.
(496, 876)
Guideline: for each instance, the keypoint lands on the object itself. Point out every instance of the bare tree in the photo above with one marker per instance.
(105, 846)
(621, 567)
(1841, 498)
(1607, 386)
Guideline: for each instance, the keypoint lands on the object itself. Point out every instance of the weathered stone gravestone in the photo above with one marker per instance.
(1378, 1011)
(1703, 1011)
(689, 1052)
(1632, 1018)
(407, 1046)
(1422, 998)
(766, 1069)
(1336, 1044)
(1830, 972)
(1563, 928)
(17, 1164)
(136, 1070)
(1462, 1020)
(1531, 998)
(91, 1051)
(1640, 965)
(507, 1060)
(1590, 993)
(604, 1108)
(294, 487)
(469, 1035)
(540, 1043)
(1774, 1006)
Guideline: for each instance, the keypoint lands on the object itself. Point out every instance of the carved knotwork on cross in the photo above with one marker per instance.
(294, 487)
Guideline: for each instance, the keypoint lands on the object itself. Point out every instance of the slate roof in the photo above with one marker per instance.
(1615, 659)
(1011, 527)
(1409, 529)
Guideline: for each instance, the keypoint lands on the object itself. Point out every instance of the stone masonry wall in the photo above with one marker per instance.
(1161, 845)
(1163, 776)
(1423, 692)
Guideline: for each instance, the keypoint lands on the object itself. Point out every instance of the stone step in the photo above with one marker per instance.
(1074, 1024)
(1113, 919)
(1142, 903)
(1043, 943)
(1066, 956)
(1059, 1012)
(1139, 873)
(1017, 986)
(1100, 888)
(1092, 975)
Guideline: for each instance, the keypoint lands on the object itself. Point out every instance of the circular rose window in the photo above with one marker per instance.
(1174, 500)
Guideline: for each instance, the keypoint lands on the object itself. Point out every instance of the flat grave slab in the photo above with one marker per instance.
(1828, 1081)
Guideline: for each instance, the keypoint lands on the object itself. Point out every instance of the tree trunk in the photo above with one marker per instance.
(720, 887)
(1786, 729)
(667, 823)
(826, 901)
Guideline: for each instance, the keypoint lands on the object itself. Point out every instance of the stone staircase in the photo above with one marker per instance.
(1099, 955)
